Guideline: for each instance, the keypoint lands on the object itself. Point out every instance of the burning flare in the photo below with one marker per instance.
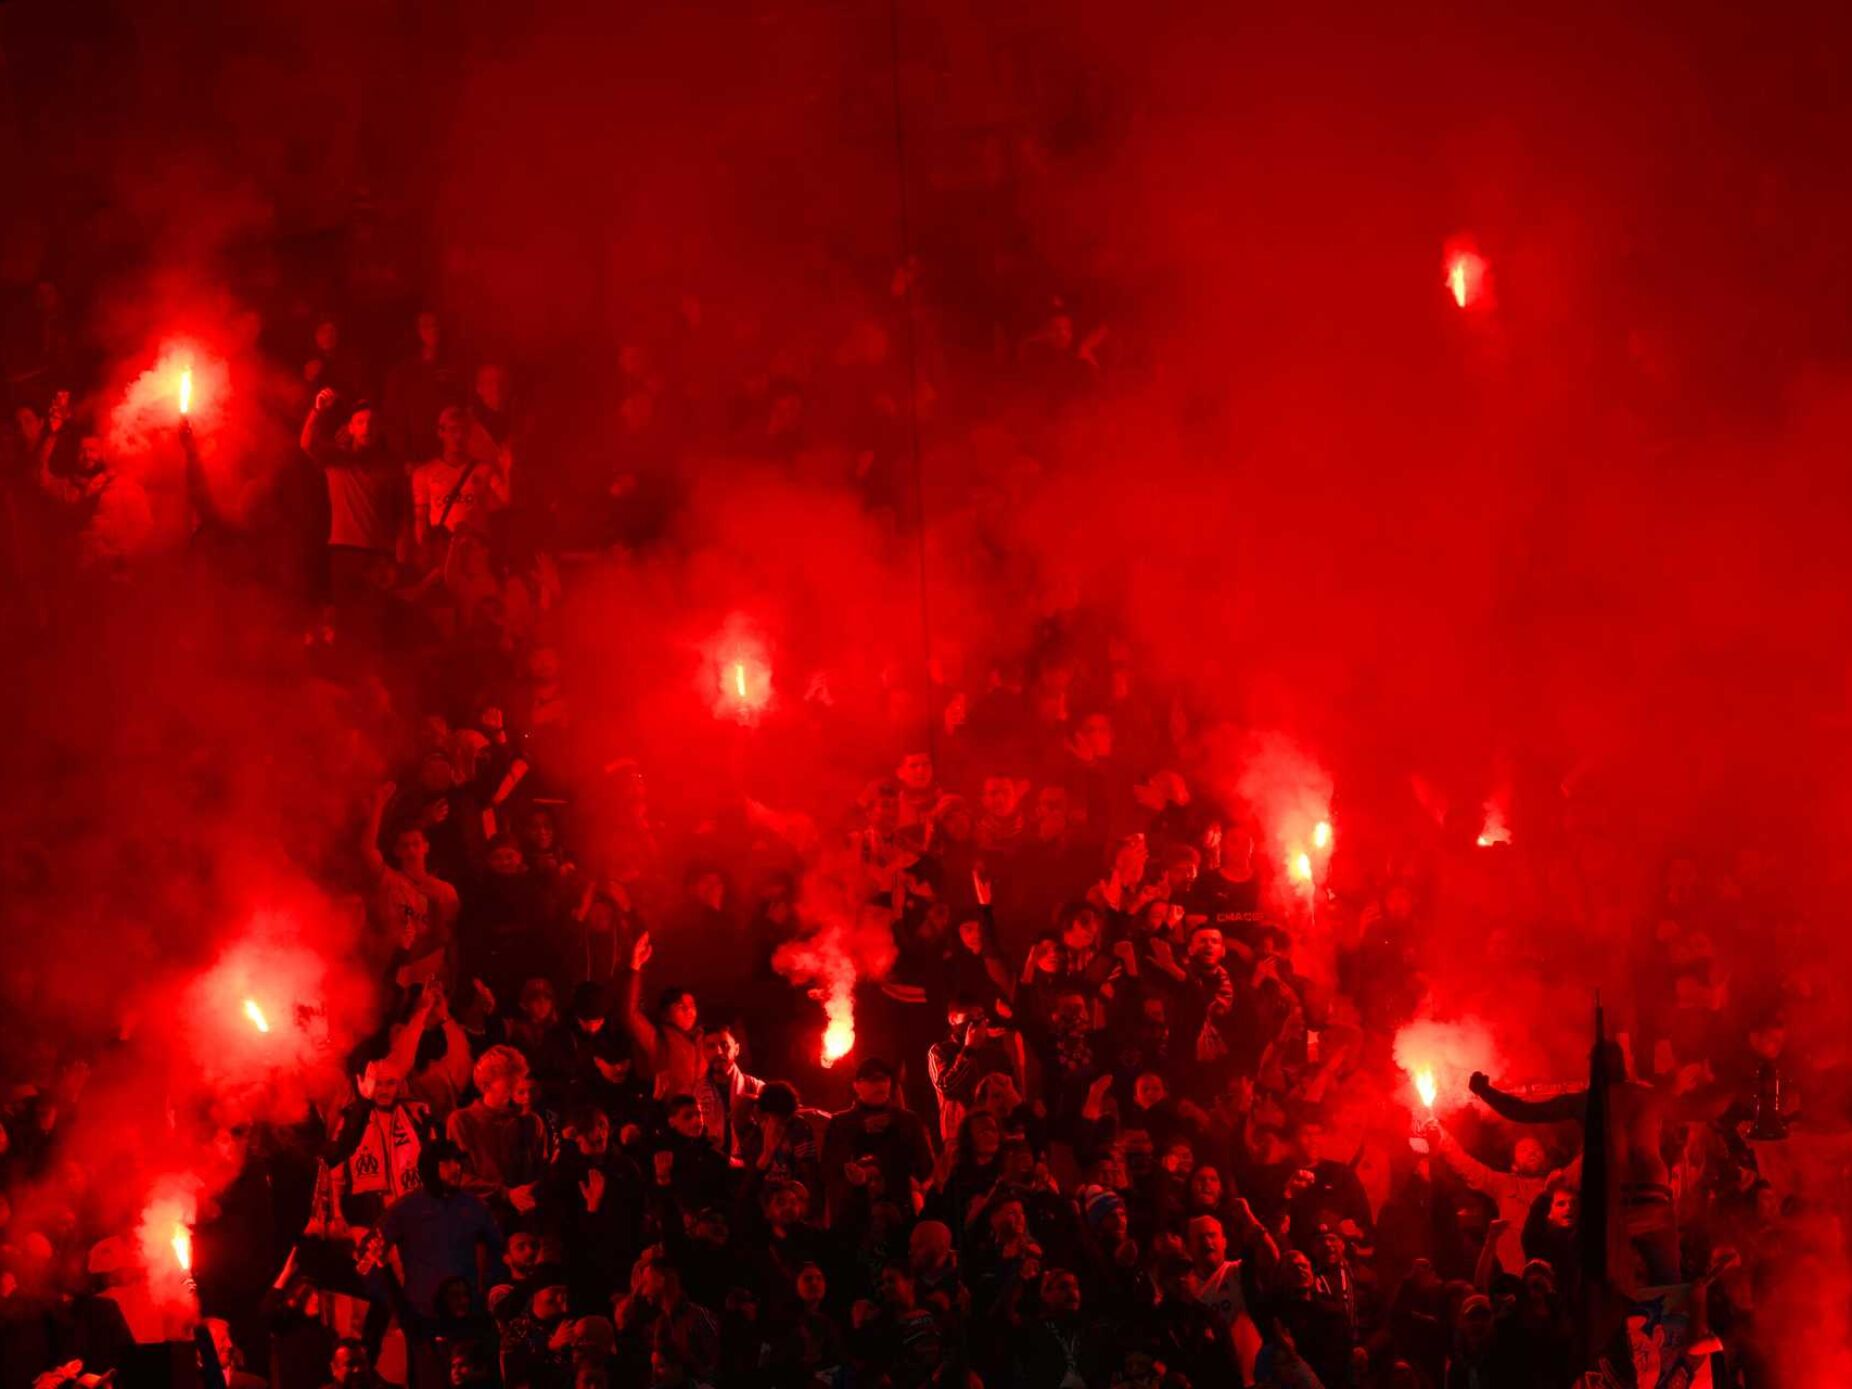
(183, 1247)
(186, 390)
(1321, 835)
(1496, 831)
(256, 1015)
(839, 1031)
(743, 683)
(1425, 1087)
(1302, 867)
(1466, 279)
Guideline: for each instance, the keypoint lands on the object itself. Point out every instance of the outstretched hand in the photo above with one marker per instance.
(1479, 1084)
(592, 1189)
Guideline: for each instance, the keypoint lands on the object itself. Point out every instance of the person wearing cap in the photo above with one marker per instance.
(873, 1136)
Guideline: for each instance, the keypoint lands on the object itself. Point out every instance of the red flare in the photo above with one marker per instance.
(1468, 279)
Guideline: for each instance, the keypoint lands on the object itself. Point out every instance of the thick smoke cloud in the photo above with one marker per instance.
(1580, 551)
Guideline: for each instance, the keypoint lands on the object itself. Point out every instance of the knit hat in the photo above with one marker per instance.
(1101, 1203)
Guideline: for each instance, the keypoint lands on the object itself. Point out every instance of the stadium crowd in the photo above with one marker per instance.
(1122, 1110)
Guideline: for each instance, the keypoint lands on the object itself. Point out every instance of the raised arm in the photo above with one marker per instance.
(1256, 1241)
(1555, 1110)
(1477, 1174)
(402, 1057)
(369, 841)
(310, 440)
(55, 487)
(1488, 1256)
(950, 1066)
(1165, 959)
(631, 999)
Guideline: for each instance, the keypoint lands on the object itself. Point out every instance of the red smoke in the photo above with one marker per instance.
(1450, 1051)
(847, 943)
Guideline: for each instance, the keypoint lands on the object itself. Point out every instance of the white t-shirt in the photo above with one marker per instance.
(483, 493)
(410, 915)
(1220, 1292)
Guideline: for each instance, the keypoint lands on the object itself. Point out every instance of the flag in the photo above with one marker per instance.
(1607, 1265)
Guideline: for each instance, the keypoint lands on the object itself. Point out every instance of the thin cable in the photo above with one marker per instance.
(910, 340)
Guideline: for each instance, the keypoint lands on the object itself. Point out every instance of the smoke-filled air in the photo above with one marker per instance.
(795, 695)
